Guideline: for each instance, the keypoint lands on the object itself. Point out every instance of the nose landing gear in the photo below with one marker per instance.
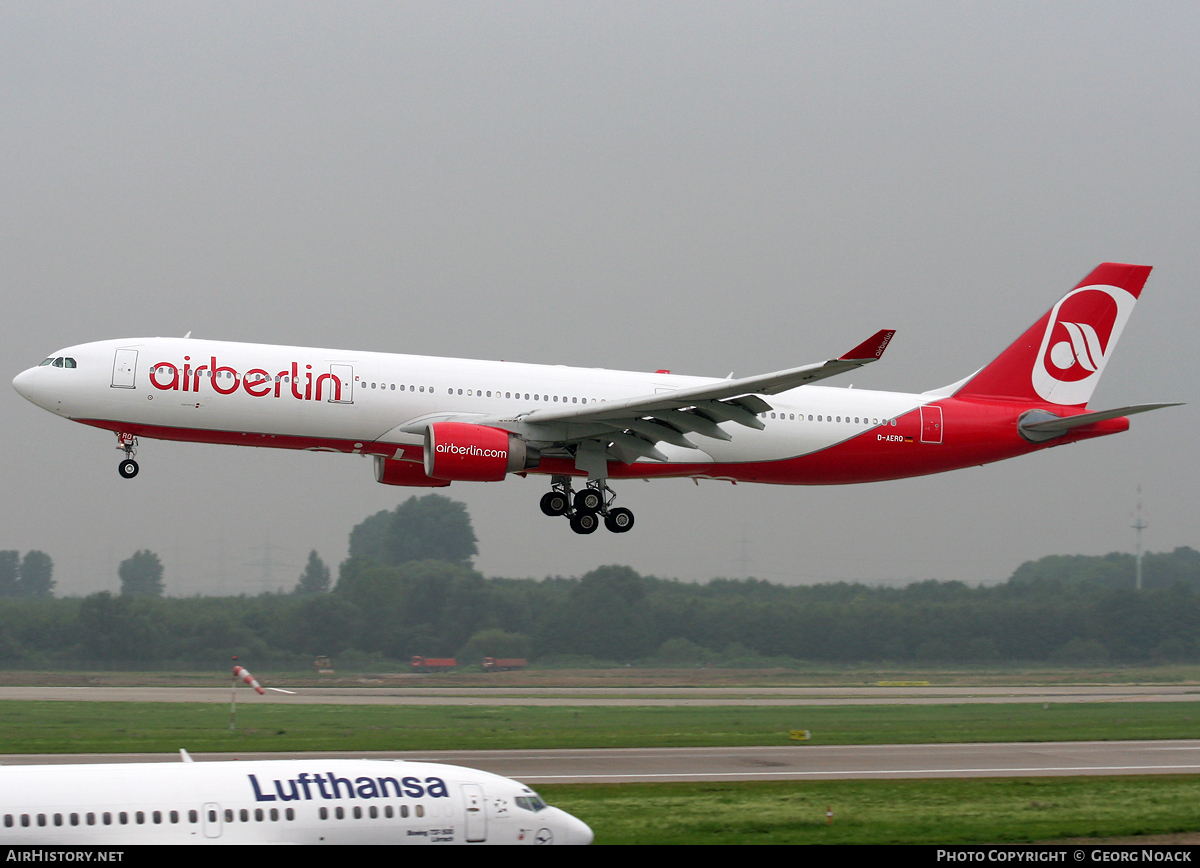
(127, 443)
(585, 508)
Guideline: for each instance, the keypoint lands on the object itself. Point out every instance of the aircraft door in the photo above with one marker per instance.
(931, 424)
(476, 812)
(345, 375)
(211, 818)
(124, 366)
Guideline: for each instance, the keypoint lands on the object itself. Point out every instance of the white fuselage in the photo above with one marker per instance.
(290, 392)
(274, 802)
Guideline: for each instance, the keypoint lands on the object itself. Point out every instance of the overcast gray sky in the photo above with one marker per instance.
(701, 187)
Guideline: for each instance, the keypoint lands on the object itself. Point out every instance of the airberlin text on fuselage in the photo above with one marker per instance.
(301, 787)
(169, 377)
(455, 449)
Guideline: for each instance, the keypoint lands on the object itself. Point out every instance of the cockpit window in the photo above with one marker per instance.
(58, 363)
(68, 362)
(49, 361)
(530, 803)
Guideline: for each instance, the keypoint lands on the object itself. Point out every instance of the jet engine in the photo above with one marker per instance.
(475, 453)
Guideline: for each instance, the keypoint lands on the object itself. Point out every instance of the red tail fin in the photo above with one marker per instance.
(1059, 360)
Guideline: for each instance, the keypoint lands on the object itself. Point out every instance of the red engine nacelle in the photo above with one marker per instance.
(392, 472)
(475, 453)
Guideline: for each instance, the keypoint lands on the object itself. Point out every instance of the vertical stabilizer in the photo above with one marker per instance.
(1059, 360)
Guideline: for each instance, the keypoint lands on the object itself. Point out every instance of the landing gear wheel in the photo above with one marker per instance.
(555, 503)
(619, 520)
(585, 522)
(589, 500)
(128, 468)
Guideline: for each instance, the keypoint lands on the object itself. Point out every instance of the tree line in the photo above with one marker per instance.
(408, 587)
(29, 576)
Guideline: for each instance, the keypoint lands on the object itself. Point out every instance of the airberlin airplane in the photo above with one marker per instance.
(429, 421)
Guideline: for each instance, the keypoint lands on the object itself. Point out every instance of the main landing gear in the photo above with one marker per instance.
(127, 443)
(585, 508)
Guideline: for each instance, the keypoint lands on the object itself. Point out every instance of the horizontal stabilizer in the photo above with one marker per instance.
(1039, 425)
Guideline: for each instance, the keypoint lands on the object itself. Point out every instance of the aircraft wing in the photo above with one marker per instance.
(630, 428)
(763, 384)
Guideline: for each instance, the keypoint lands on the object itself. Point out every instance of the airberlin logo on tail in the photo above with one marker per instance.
(1079, 357)
(1082, 330)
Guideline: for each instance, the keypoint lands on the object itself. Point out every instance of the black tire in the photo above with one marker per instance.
(619, 520)
(554, 503)
(585, 522)
(588, 500)
(128, 468)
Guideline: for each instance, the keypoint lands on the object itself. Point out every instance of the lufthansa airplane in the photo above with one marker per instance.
(430, 421)
(274, 802)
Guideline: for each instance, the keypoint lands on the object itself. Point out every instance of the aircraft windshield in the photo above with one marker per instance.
(59, 362)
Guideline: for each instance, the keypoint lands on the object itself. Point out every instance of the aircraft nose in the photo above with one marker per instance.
(579, 832)
(23, 383)
(575, 830)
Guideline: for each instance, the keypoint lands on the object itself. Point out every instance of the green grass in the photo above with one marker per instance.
(945, 811)
(115, 727)
(942, 811)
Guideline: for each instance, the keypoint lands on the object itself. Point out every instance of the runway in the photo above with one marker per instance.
(627, 765)
(618, 696)
(797, 763)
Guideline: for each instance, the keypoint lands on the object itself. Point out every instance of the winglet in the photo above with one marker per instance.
(872, 348)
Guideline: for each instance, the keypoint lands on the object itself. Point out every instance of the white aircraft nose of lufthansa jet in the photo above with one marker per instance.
(23, 383)
(581, 832)
(577, 831)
